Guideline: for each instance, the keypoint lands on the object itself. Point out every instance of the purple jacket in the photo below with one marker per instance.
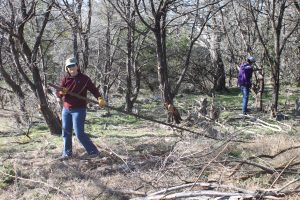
(245, 75)
(79, 84)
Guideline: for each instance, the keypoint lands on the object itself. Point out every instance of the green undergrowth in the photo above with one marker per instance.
(119, 125)
(28, 141)
(7, 176)
(100, 123)
(138, 139)
(114, 119)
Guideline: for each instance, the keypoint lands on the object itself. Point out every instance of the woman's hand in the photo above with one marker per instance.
(63, 91)
(102, 102)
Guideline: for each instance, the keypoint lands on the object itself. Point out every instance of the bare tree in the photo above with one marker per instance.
(248, 39)
(216, 56)
(276, 14)
(108, 45)
(15, 30)
(155, 16)
(135, 39)
(159, 13)
(15, 85)
(74, 15)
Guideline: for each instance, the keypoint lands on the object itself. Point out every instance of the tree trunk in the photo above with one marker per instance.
(75, 45)
(51, 119)
(219, 82)
(162, 66)
(162, 72)
(276, 85)
(129, 103)
(24, 118)
(15, 88)
(107, 65)
(298, 68)
(31, 55)
(261, 87)
(86, 36)
(216, 57)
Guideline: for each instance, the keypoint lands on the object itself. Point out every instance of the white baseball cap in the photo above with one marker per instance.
(71, 61)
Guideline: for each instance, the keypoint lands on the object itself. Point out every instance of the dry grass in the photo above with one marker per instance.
(146, 159)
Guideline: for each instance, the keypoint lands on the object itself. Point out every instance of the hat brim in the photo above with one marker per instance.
(71, 64)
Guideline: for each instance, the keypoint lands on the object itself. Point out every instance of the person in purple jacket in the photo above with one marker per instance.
(74, 109)
(244, 81)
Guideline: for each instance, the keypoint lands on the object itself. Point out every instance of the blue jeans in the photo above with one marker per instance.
(75, 118)
(245, 91)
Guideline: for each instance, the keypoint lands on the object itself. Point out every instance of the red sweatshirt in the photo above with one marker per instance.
(79, 84)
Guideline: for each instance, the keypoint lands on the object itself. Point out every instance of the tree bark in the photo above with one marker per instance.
(129, 103)
(51, 119)
(31, 56)
(216, 56)
(131, 62)
(15, 88)
(276, 12)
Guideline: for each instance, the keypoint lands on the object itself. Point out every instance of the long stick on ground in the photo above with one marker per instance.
(133, 114)
(39, 182)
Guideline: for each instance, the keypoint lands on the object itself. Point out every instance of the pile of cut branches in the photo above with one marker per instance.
(214, 190)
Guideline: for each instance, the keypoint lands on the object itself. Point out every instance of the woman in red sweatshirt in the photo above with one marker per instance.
(74, 109)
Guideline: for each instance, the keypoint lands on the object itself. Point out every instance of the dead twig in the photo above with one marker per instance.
(288, 184)
(210, 163)
(201, 193)
(204, 186)
(259, 122)
(115, 155)
(209, 190)
(39, 182)
(283, 170)
(262, 156)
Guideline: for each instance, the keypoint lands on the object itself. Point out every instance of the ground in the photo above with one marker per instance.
(139, 157)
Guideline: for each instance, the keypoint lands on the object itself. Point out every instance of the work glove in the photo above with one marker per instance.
(63, 91)
(102, 102)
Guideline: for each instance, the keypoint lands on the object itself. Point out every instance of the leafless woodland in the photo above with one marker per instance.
(142, 54)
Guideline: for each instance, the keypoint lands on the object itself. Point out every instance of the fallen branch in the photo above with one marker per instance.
(203, 186)
(265, 124)
(35, 181)
(208, 190)
(268, 125)
(289, 192)
(283, 170)
(266, 170)
(114, 155)
(1, 88)
(289, 126)
(210, 163)
(140, 116)
(201, 193)
(288, 184)
(261, 156)
(275, 155)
